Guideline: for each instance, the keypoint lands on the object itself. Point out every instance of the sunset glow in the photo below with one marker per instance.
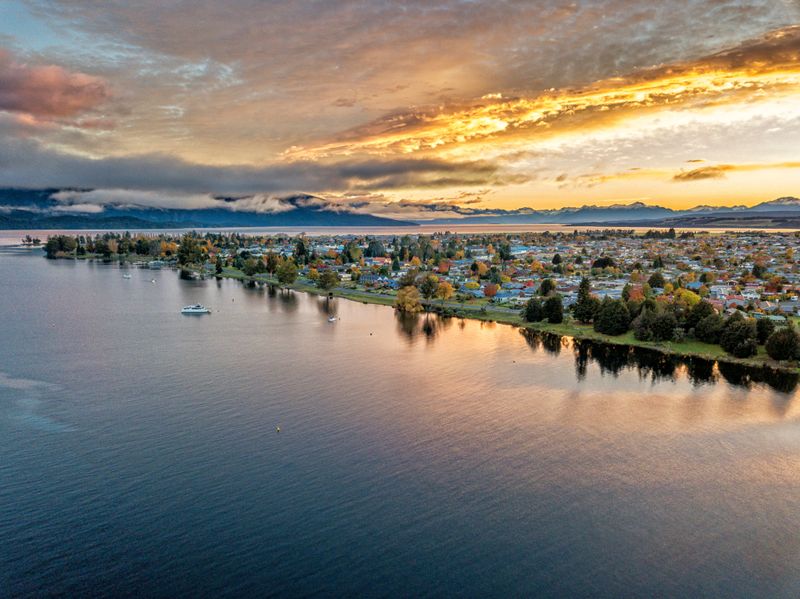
(501, 105)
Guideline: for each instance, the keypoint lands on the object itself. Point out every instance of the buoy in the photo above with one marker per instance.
(277, 429)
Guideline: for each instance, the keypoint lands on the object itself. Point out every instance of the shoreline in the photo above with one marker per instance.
(690, 349)
(571, 329)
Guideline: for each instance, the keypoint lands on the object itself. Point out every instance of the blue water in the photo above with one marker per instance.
(139, 453)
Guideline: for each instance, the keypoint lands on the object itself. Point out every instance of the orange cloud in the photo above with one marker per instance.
(767, 66)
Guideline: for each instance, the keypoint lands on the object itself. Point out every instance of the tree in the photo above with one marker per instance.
(287, 272)
(328, 279)
(604, 262)
(697, 313)
(612, 318)
(444, 291)
(533, 310)
(759, 271)
(656, 280)
(408, 299)
(557, 259)
(738, 337)
(764, 328)
(783, 344)
(709, 328)
(587, 305)
(409, 278)
(300, 251)
(553, 309)
(652, 325)
(428, 286)
(547, 287)
(663, 326)
(375, 249)
(490, 290)
(189, 251)
(219, 263)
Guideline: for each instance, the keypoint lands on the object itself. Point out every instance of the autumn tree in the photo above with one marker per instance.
(408, 300)
(444, 291)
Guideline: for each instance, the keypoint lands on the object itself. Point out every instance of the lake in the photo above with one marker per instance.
(416, 457)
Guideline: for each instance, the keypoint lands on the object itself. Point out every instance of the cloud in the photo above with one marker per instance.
(702, 173)
(769, 65)
(28, 163)
(47, 91)
(80, 208)
(718, 171)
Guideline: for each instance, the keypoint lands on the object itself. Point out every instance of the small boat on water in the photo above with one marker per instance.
(126, 276)
(331, 319)
(195, 309)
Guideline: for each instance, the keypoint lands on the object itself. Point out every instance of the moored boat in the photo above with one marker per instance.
(195, 309)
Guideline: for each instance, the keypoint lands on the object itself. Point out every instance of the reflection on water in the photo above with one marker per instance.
(655, 365)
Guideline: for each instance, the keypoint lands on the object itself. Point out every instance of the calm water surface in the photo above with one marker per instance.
(139, 453)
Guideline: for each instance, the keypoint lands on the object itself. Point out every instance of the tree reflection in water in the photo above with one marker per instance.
(655, 365)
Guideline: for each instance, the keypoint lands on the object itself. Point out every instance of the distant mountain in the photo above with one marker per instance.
(634, 214)
(124, 209)
(87, 209)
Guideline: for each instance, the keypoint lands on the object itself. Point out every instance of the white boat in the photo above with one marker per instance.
(195, 309)
(331, 319)
(126, 276)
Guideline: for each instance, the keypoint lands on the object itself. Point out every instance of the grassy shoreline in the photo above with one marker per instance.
(490, 313)
(568, 328)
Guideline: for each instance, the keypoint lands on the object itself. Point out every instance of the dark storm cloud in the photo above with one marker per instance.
(26, 163)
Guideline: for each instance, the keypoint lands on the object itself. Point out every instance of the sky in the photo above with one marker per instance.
(397, 107)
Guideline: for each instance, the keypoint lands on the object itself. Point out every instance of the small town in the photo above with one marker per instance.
(658, 286)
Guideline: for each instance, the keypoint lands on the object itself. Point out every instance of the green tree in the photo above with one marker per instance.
(698, 312)
(287, 272)
(738, 337)
(783, 344)
(587, 305)
(547, 287)
(428, 286)
(533, 310)
(612, 318)
(553, 309)
(764, 328)
(709, 329)
(328, 279)
(656, 280)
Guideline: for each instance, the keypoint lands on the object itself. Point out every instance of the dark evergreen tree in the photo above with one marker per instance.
(612, 318)
(553, 309)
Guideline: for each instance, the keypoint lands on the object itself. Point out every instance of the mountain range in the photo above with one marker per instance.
(115, 209)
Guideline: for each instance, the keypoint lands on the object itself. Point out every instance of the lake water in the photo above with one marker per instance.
(139, 452)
